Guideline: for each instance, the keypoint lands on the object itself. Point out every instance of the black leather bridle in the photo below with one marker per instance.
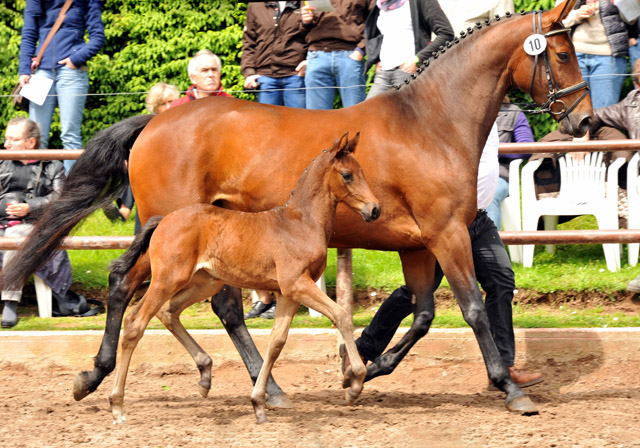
(555, 92)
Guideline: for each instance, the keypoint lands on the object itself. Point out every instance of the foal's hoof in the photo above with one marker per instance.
(350, 397)
(80, 386)
(279, 401)
(522, 404)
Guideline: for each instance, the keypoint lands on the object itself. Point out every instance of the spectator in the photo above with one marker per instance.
(513, 127)
(204, 72)
(64, 61)
(274, 52)
(465, 13)
(26, 187)
(493, 271)
(160, 96)
(398, 39)
(336, 53)
(157, 100)
(601, 41)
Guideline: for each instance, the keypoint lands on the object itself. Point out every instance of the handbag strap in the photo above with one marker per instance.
(52, 32)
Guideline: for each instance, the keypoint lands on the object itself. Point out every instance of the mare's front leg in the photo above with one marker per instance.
(121, 290)
(453, 250)
(227, 304)
(284, 315)
(419, 272)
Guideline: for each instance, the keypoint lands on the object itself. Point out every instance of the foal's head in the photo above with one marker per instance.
(347, 182)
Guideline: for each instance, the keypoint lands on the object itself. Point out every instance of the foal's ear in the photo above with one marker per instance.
(351, 147)
(341, 147)
(560, 12)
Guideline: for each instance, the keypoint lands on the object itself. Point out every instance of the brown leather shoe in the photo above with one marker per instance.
(522, 378)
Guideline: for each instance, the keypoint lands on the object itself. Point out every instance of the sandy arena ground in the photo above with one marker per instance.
(436, 398)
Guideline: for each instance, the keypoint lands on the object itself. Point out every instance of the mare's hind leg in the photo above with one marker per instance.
(121, 290)
(419, 271)
(169, 315)
(453, 250)
(227, 304)
(284, 315)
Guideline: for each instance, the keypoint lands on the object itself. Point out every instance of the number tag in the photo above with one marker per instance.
(535, 44)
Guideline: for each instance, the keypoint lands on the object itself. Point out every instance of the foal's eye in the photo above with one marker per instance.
(563, 56)
(347, 177)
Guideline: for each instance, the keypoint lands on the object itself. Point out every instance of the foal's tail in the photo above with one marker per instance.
(96, 178)
(123, 265)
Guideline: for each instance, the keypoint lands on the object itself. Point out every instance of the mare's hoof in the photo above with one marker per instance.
(522, 405)
(80, 387)
(280, 401)
(204, 391)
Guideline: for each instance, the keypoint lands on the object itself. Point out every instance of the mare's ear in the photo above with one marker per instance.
(560, 12)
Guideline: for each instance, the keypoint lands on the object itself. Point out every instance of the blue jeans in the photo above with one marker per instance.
(634, 54)
(604, 90)
(493, 210)
(69, 92)
(327, 70)
(287, 91)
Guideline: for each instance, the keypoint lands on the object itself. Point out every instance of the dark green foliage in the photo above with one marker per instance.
(152, 41)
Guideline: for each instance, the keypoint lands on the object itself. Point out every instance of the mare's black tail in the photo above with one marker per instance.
(95, 179)
(140, 244)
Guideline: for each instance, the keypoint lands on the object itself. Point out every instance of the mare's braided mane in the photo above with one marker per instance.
(456, 40)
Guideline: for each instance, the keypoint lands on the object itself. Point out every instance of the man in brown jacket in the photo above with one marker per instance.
(336, 53)
(274, 53)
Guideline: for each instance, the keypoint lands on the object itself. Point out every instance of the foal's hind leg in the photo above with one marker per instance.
(121, 290)
(284, 315)
(169, 315)
(227, 304)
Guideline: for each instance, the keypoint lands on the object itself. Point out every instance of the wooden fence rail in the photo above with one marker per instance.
(522, 237)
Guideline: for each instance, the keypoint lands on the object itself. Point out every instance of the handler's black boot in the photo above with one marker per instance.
(257, 310)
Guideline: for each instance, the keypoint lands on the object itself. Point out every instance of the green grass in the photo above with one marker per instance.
(576, 268)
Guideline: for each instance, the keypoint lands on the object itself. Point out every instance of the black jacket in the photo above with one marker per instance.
(426, 16)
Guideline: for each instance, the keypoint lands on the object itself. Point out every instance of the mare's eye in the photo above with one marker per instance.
(347, 177)
(563, 56)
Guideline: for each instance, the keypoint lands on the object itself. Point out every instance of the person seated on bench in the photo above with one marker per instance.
(26, 186)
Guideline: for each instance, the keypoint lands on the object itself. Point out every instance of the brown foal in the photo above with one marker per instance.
(196, 250)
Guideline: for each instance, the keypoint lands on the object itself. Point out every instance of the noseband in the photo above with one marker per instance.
(555, 92)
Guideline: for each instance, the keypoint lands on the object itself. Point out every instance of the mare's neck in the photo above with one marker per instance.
(462, 89)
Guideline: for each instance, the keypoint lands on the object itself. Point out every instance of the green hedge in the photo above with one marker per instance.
(152, 41)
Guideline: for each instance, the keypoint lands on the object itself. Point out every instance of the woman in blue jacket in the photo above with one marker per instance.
(64, 61)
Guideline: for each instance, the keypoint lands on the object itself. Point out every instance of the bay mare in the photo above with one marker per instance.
(423, 143)
(196, 250)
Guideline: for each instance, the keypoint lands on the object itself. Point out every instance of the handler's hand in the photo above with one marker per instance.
(67, 63)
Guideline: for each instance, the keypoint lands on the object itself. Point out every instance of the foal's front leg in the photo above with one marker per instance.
(284, 315)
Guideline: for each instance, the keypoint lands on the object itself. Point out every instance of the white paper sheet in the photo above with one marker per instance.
(629, 9)
(321, 5)
(37, 89)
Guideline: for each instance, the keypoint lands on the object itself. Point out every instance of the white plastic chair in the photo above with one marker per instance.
(587, 187)
(510, 209)
(44, 297)
(633, 202)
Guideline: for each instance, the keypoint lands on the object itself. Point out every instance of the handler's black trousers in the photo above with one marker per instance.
(493, 271)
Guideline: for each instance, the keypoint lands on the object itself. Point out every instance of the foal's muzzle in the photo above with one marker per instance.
(371, 211)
